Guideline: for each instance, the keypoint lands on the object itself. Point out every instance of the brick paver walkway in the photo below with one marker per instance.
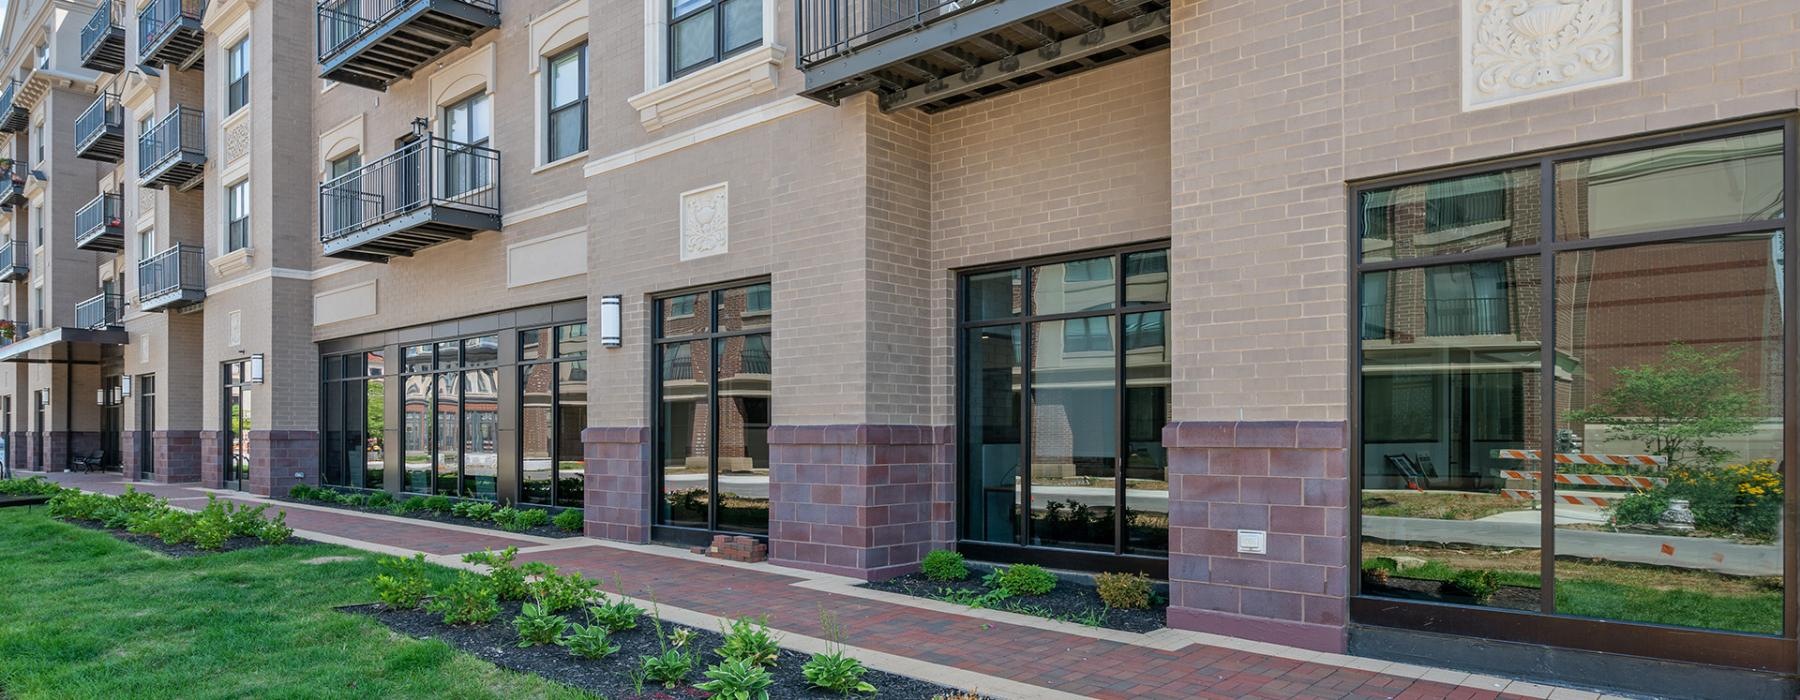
(1047, 658)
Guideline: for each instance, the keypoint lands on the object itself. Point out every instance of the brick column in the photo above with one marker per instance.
(212, 471)
(128, 454)
(866, 501)
(1285, 478)
(179, 456)
(276, 455)
(618, 490)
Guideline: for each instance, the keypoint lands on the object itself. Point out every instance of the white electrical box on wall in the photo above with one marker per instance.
(1253, 542)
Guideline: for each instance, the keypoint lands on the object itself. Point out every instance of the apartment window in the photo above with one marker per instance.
(146, 244)
(1466, 299)
(37, 141)
(344, 210)
(565, 124)
(237, 216)
(552, 412)
(704, 32)
(467, 166)
(237, 76)
(37, 225)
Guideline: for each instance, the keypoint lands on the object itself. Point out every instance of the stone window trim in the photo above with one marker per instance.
(668, 99)
(551, 34)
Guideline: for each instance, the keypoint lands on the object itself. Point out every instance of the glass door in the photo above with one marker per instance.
(112, 424)
(146, 427)
(238, 420)
(466, 123)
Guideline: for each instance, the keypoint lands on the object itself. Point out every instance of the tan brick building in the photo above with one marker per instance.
(1254, 297)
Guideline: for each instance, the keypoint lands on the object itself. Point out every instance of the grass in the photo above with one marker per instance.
(89, 616)
(1439, 505)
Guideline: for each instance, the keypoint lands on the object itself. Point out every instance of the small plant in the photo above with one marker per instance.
(559, 592)
(516, 520)
(834, 670)
(401, 583)
(381, 499)
(508, 580)
(473, 510)
(437, 504)
(1022, 579)
(537, 625)
(1380, 569)
(749, 639)
(410, 505)
(1124, 591)
(568, 520)
(213, 526)
(275, 530)
(300, 492)
(1480, 584)
(737, 679)
(681, 637)
(468, 601)
(616, 616)
(944, 565)
(589, 642)
(670, 668)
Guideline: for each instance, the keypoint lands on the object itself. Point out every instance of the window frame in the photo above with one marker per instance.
(550, 355)
(1545, 626)
(580, 104)
(237, 216)
(237, 84)
(720, 52)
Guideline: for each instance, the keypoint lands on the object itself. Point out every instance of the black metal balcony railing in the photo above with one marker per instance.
(1475, 316)
(100, 130)
(103, 38)
(12, 187)
(100, 311)
(13, 117)
(169, 33)
(427, 192)
(15, 261)
(910, 53)
(99, 224)
(173, 150)
(373, 43)
(755, 362)
(173, 278)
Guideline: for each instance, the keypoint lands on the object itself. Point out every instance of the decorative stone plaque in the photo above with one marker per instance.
(704, 222)
(1522, 49)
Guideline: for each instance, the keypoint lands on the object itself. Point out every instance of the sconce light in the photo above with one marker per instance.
(117, 398)
(99, 397)
(609, 321)
(256, 368)
(44, 399)
(125, 386)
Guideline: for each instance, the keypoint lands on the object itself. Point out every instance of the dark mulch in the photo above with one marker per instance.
(497, 643)
(186, 549)
(1074, 599)
(1512, 597)
(540, 531)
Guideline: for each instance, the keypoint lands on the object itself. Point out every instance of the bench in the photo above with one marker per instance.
(88, 462)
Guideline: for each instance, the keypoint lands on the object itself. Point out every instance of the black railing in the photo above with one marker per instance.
(343, 22)
(12, 186)
(99, 311)
(756, 362)
(161, 17)
(428, 172)
(182, 130)
(108, 18)
(1476, 316)
(103, 114)
(93, 218)
(831, 28)
(7, 94)
(181, 268)
(12, 255)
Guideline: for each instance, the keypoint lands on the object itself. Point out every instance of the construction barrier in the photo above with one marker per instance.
(1613, 480)
(1571, 499)
(1586, 458)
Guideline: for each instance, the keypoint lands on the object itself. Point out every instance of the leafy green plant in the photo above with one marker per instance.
(944, 565)
(34, 486)
(1480, 584)
(409, 505)
(275, 530)
(737, 679)
(517, 520)
(1022, 579)
(437, 504)
(749, 639)
(559, 592)
(470, 600)
(473, 510)
(381, 499)
(1124, 591)
(508, 579)
(589, 642)
(669, 668)
(616, 616)
(832, 669)
(537, 625)
(568, 520)
(401, 583)
(300, 492)
(1678, 406)
(1640, 508)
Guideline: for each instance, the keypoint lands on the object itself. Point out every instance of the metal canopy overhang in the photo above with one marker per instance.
(63, 346)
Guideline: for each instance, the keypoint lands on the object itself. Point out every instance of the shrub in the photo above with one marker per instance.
(616, 616)
(34, 486)
(76, 505)
(353, 499)
(669, 668)
(508, 580)
(468, 601)
(401, 583)
(589, 642)
(944, 565)
(381, 499)
(568, 520)
(409, 505)
(171, 526)
(437, 504)
(473, 510)
(836, 672)
(300, 492)
(559, 592)
(1479, 584)
(537, 625)
(516, 520)
(275, 530)
(1022, 579)
(749, 639)
(1124, 591)
(1640, 508)
(737, 679)
(116, 512)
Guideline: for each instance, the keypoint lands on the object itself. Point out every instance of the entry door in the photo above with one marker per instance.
(146, 427)
(238, 419)
(37, 435)
(112, 424)
(466, 124)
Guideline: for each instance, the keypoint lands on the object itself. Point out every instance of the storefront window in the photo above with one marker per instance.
(553, 405)
(354, 415)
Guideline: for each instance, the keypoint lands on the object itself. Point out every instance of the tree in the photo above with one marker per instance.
(1674, 407)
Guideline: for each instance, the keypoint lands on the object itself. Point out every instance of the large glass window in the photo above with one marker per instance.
(565, 89)
(713, 389)
(553, 410)
(1056, 414)
(1620, 454)
(237, 76)
(467, 123)
(354, 413)
(451, 428)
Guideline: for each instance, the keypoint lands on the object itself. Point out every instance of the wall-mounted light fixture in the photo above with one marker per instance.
(99, 397)
(118, 397)
(125, 385)
(256, 368)
(609, 321)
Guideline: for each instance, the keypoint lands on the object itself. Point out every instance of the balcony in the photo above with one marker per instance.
(103, 38)
(13, 118)
(100, 311)
(15, 261)
(427, 192)
(169, 33)
(99, 224)
(13, 331)
(1473, 316)
(938, 54)
(172, 279)
(375, 43)
(100, 130)
(12, 187)
(172, 152)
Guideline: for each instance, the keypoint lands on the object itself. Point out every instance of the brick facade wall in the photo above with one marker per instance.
(619, 490)
(866, 501)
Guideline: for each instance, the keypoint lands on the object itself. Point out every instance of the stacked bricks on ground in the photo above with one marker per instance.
(735, 548)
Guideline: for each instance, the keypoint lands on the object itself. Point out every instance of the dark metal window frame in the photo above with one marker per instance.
(360, 384)
(430, 427)
(552, 356)
(580, 103)
(709, 294)
(1024, 551)
(237, 217)
(237, 85)
(226, 467)
(1546, 627)
(720, 51)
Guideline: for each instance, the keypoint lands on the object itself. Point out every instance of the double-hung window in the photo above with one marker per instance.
(565, 122)
(704, 32)
(467, 125)
(237, 216)
(237, 76)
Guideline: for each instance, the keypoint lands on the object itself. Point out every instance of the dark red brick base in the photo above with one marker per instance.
(279, 459)
(866, 501)
(1286, 478)
(178, 455)
(618, 490)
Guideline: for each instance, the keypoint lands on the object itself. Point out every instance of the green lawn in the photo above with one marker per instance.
(85, 615)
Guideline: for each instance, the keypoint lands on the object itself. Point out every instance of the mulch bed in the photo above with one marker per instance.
(540, 531)
(1073, 600)
(1511, 597)
(610, 677)
(185, 549)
